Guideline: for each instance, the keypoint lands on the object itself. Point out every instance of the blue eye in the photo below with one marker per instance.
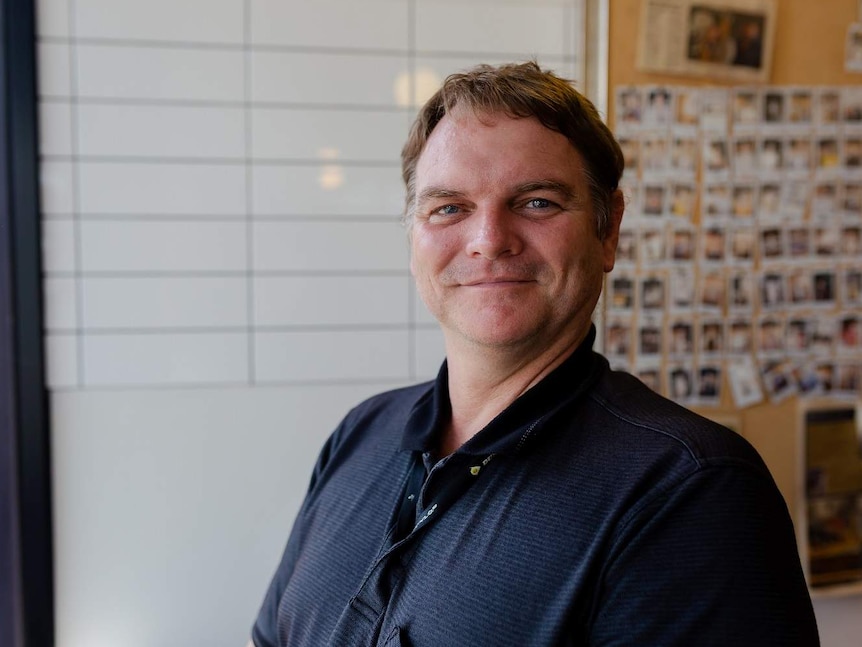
(448, 210)
(538, 203)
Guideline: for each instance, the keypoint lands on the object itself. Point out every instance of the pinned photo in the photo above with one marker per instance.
(773, 107)
(744, 383)
(709, 384)
(712, 245)
(680, 382)
(772, 290)
(681, 287)
(778, 380)
(658, 110)
(622, 292)
(682, 200)
(798, 154)
(739, 337)
(711, 337)
(828, 107)
(629, 108)
(687, 112)
(770, 335)
(743, 242)
(627, 248)
(740, 290)
(618, 336)
(650, 339)
(800, 107)
(851, 287)
(681, 340)
(682, 244)
(655, 161)
(746, 108)
(650, 374)
(683, 156)
(652, 246)
(713, 294)
(653, 293)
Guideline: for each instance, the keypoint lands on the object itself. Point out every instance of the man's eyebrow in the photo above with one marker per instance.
(435, 192)
(561, 188)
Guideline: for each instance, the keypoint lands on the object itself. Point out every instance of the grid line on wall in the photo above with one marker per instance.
(305, 49)
(211, 161)
(249, 179)
(298, 328)
(411, 288)
(76, 201)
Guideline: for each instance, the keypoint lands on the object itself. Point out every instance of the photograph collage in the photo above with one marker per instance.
(740, 254)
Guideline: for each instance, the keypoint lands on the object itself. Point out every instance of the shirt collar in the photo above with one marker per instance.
(505, 432)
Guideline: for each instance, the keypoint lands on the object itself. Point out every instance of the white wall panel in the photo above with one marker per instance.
(52, 17)
(164, 359)
(61, 361)
(338, 246)
(56, 188)
(173, 506)
(366, 355)
(420, 312)
(324, 78)
(54, 77)
(55, 129)
(328, 190)
(150, 73)
(195, 21)
(522, 29)
(165, 302)
(429, 352)
(115, 246)
(162, 188)
(328, 135)
(371, 24)
(161, 131)
(331, 300)
(61, 308)
(58, 246)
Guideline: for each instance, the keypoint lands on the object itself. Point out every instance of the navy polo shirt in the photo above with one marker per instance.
(590, 512)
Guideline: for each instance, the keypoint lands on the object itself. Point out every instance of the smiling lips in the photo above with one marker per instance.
(496, 281)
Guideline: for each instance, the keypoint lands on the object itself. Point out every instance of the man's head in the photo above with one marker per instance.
(513, 209)
(523, 90)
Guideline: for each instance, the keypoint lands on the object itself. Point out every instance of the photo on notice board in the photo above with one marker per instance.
(729, 39)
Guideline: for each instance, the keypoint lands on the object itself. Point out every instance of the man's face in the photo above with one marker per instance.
(504, 246)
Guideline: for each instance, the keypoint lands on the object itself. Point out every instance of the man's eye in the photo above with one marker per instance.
(538, 203)
(448, 210)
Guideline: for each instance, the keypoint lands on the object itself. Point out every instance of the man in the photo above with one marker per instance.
(529, 496)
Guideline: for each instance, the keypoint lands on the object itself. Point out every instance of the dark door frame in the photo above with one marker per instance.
(26, 561)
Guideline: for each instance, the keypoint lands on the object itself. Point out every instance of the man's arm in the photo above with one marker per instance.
(712, 563)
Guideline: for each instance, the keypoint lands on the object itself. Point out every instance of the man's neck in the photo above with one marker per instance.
(483, 382)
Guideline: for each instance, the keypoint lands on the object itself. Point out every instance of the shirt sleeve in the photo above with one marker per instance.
(713, 562)
(264, 632)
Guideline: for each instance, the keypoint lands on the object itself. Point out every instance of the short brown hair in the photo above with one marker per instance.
(524, 90)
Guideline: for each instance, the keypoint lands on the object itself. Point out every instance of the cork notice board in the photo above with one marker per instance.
(773, 428)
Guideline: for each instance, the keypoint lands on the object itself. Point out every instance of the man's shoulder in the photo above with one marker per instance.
(383, 414)
(395, 402)
(637, 409)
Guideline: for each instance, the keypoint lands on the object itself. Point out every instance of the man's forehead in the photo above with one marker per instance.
(534, 146)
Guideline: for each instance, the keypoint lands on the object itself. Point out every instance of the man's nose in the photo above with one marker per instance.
(493, 232)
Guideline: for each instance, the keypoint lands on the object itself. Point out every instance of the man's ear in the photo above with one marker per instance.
(612, 235)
